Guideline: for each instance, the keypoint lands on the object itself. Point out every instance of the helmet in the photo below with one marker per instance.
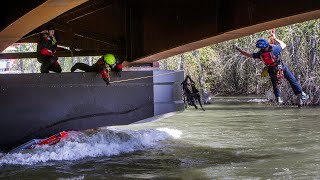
(109, 59)
(262, 43)
(50, 27)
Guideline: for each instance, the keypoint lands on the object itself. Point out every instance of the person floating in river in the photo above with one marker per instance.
(270, 55)
(103, 66)
(191, 96)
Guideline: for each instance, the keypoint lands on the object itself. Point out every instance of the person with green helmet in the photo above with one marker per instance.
(102, 66)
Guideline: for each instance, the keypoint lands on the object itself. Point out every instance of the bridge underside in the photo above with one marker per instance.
(146, 30)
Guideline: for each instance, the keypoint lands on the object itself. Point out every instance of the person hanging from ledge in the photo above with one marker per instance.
(104, 64)
(270, 55)
(195, 93)
(46, 48)
(190, 96)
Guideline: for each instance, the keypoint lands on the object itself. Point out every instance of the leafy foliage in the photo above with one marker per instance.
(227, 72)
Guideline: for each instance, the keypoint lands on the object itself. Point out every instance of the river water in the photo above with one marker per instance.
(235, 138)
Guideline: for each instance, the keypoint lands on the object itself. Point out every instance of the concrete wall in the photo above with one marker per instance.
(167, 91)
(40, 105)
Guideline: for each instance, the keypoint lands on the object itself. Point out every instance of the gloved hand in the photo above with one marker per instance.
(236, 47)
(107, 81)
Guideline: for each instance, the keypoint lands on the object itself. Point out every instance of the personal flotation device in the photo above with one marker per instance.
(268, 58)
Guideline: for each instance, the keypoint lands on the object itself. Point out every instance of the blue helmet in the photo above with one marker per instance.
(262, 43)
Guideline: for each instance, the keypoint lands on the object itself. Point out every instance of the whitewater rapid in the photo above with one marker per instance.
(79, 145)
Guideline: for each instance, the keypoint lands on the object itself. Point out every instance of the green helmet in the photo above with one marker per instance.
(109, 59)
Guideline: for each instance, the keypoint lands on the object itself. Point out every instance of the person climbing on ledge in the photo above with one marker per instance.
(46, 48)
(270, 55)
(196, 94)
(187, 94)
(191, 96)
(103, 66)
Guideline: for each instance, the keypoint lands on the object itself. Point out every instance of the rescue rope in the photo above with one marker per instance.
(144, 77)
(279, 73)
(34, 34)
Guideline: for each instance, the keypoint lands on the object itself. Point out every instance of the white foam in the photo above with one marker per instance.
(175, 133)
(73, 178)
(258, 100)
(102, 143)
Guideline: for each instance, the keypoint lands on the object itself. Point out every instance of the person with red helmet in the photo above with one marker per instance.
(270, 55)
(103, 66)
(46, 48)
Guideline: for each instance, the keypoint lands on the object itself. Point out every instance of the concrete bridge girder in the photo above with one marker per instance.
(40, 105)
(33, 19)
(147, 31)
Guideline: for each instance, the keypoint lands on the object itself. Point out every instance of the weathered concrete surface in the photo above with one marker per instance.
(167, 92)
(40, 105)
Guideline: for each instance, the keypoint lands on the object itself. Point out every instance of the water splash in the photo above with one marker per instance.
(93, 144)
(258, 100)
(74, 178)
(175, 133)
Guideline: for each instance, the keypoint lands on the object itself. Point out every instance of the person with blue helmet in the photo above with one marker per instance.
(270, 55)
(262, 43)
(102, 66)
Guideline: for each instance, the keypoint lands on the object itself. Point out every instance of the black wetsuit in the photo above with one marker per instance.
(46, 48)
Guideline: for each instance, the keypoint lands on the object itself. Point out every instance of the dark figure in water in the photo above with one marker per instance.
(196, 94)
(187, 94)
(191, 96)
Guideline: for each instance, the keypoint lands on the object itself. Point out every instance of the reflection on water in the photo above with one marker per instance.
(235, 138)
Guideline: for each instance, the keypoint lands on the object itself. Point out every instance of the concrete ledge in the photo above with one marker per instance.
(39, 105)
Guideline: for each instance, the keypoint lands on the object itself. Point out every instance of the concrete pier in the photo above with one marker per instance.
(40, 105)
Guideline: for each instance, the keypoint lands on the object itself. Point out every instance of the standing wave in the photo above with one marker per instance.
(79, 145)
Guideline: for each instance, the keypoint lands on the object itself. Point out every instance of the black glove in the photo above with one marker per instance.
(236, 47)
(107, 81)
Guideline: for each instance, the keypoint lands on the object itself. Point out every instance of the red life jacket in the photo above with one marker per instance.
(268, 58)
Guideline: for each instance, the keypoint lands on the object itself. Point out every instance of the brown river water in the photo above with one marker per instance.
(235, 138)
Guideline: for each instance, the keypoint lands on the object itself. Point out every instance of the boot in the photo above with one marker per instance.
(301, 97)
(44, 68)
(299, 100)
(74, 67)
(304, 96)
(279, 100)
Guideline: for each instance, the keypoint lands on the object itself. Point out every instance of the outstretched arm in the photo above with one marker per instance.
(247, 54)
(104, 75)
(282, 44)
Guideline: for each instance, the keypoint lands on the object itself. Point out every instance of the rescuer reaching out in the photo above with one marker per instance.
(270, 55)
(103, 66)
(46, 48)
